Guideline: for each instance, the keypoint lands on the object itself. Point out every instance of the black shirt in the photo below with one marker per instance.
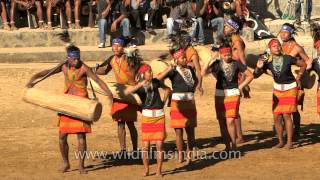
(118, 8)
(228, 78)
(316, 66)
(179, 84)
(150, 97)
(101, 6)
(282, 73)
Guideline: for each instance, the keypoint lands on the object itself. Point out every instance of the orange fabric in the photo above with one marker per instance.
(123, 111)
(288, 47)
(153, 128)
(227, 106)
(74, 85)
(190, 51)
(71, 125)
(285, 102)
(235, 38)
(183, 114)
(121, 71)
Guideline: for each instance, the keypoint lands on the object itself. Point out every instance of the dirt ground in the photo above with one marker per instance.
(29, 139)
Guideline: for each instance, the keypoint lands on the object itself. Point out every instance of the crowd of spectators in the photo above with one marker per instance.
(124, 16)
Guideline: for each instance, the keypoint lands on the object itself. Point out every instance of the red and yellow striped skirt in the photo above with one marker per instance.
(123, 111)
(284, 102)
(71, 125)
(153, 128)
(183, 114)
(227, 106)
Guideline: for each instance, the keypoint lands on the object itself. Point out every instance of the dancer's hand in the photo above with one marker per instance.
(30, 85)
(260, 64)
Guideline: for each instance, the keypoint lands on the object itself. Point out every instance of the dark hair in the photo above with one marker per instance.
(238, 21)
(134, 60)
(64, 36)
(72, 47)
(225, 45)
(181, 40)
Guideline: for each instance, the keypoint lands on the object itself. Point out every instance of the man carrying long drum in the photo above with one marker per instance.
(76, 74)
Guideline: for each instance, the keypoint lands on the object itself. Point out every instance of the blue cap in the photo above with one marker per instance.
(119, 41)
(234, 25)
(74, 54)
(287, 28)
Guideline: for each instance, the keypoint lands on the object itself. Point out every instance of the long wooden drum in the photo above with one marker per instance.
(206, 56)
(78, 107)
(117, 91)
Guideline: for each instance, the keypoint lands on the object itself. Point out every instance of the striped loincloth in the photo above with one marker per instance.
(227, 106)
(153, 128)
(123, 111)
(284, 102)
(71, 125)
(183, 114)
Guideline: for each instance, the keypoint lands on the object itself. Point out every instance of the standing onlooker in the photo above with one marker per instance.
(28, 4)
(199, 7)
(179, 9)
(213, 16)
(104, 7)
(4, 15)
(308, 10)
(55, 3)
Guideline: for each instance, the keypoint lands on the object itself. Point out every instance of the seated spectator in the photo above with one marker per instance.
(139, 9)
(180, 9)
(120, 12)
(215, 21)
(199, 8)
(4, 15)
(28, 4)
(66, 3)
(152, 12)
(104, 8)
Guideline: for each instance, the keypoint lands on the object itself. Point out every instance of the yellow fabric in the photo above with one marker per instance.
(122, 71)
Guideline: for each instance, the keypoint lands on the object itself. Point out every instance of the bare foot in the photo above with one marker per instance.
(83, 171)
(41, 25)
(13, 27)
(188, 161)
(146, 173)
(279, 145)
(65, 168)
(49, 26)
(6, 27)
(159, 174)
(69, 25)
(240, 141)
(78, 26)
(289, 146)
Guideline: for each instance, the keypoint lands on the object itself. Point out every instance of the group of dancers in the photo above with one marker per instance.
(233, 77)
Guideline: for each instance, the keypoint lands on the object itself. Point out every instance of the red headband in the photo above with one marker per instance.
(317, 44)
(273, 41)
(144, 68)
(178, 54)
(225, 50)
